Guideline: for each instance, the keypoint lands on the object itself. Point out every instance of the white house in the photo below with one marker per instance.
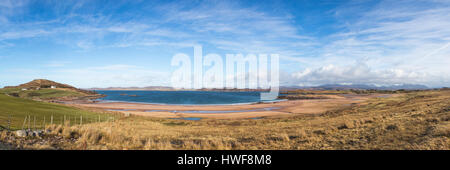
(52, 87)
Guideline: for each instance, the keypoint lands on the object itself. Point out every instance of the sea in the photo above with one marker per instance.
(181, 97)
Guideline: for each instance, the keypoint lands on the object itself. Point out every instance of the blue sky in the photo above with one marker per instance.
(131, 43)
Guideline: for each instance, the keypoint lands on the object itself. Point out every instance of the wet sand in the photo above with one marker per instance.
(242, 111)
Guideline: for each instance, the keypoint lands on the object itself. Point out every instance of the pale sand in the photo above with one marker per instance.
(279, 109)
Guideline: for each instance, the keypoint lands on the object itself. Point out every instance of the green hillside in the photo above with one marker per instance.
(19, 108)
(44, 94)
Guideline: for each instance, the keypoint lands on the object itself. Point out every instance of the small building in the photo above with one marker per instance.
(52, 87)
(23, 89)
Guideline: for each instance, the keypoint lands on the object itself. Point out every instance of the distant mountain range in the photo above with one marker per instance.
(361, 86)
(42, 83)
(156, 88)
(164, 88)
(321, 87)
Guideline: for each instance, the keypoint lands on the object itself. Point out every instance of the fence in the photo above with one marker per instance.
(33, 122)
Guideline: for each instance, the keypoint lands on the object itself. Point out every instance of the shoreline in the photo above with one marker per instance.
(171, 90)
(240, 111)
(166, 104)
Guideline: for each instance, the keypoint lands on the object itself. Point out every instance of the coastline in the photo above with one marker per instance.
(247, 103)
(171, 89)
(233, 111)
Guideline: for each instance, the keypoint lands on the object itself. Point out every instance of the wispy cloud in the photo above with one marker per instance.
(113, 76)
(386, 42)
(57, 63)
(408, 37)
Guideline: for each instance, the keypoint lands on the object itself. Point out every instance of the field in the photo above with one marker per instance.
(414, 120)
(42, 94)
(15, 110)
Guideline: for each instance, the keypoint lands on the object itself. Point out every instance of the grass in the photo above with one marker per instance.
(44, 94)
(16, 109)
(417, 120)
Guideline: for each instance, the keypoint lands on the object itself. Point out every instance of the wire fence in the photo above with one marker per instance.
(35, 122)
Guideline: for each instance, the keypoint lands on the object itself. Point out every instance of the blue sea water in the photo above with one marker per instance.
(181, 97)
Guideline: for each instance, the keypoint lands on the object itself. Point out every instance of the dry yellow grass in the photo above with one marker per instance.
(418, 120)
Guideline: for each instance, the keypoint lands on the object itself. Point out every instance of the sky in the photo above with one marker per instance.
(88, 43)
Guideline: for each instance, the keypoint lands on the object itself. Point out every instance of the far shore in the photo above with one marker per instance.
(170, 89)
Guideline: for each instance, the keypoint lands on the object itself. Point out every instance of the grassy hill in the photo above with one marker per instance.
(44, 94)
(43, 83)
(41, 89)
(18, 102)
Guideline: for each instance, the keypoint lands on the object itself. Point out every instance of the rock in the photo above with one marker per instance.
(392, 127)
(37, 133)
(21, 133)
(25, 133)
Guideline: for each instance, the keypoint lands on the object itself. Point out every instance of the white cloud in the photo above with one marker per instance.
(99, 76)
(12, 3)
(227, 26)
(398, 41)
(360, 73)
(22, 34)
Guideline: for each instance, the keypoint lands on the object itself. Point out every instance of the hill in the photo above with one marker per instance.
(47, 90)
(367, 87)
(149, 88)
(283, 88)
(43, 83)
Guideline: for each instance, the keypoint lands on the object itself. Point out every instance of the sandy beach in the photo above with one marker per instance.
(240, 111)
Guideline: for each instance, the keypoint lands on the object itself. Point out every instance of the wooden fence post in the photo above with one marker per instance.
(24, 122)
(9, 123)
(81, 119)
(29, 122)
